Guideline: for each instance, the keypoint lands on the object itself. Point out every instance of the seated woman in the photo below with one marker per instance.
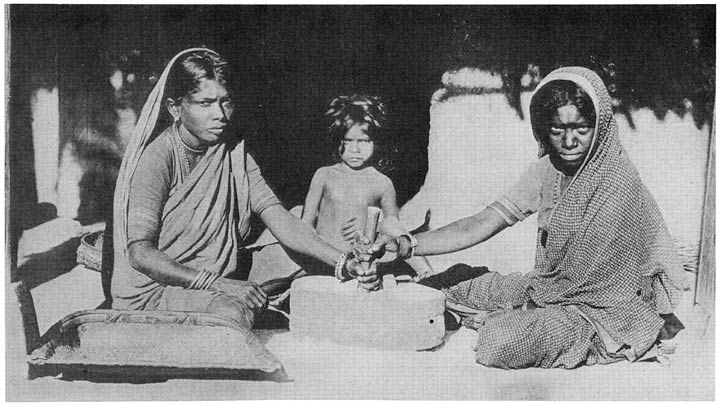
(184, 197)
(606, 272)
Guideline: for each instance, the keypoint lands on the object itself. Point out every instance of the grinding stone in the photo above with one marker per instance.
(406, 316)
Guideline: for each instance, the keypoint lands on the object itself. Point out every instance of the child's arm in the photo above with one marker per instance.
(392, 226)
(312, 200)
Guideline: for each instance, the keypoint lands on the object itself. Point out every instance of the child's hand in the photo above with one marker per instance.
(350, 230)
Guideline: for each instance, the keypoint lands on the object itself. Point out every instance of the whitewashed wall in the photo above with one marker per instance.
(44, 107)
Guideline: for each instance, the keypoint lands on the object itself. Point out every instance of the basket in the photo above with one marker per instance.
(689, 254)
(89, 253)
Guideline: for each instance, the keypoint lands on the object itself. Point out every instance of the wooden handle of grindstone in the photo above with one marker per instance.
(371, 223)
(370, 231)
(373, 217)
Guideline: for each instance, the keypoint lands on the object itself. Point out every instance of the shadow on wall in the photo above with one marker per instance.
(48, 249)
(35, 269)
(77, 182)
(91, 158)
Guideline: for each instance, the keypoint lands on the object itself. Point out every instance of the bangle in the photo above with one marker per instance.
(345, 272)
(340, 266)
(413, 245)
(203, 280)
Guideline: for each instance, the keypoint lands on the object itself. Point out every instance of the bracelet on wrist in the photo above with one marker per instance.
(413, 245)
(341, 271)
(340, 265)
(345, 272)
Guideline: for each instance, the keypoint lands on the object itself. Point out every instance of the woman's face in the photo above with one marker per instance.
(206, 112)
(570, 137)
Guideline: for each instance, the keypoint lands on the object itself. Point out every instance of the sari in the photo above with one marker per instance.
(605, 271)
(204, 220)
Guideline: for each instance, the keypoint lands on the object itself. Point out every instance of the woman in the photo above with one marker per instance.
(184, 197)
(606, 272)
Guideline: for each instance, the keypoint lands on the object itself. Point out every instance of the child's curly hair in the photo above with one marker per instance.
(346, 111)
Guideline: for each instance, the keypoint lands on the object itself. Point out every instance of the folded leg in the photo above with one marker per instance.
(550, 337)
(489, 291)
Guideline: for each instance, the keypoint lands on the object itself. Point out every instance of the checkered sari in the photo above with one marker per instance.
(608, 250)
(608, 267)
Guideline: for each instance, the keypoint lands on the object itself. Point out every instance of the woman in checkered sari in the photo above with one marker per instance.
(606, 273)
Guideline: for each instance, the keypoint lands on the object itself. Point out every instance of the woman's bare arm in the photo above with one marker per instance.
(461, 234)
(297, 235)
(145, 257)
(453, 237)
(293, 233)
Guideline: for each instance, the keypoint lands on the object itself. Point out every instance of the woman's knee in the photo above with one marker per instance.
(233, 309)
(519, 339)
(504, 350)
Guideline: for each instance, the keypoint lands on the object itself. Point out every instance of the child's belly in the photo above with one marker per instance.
(331, 220)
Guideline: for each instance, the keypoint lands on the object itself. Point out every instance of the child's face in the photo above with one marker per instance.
(357, 147)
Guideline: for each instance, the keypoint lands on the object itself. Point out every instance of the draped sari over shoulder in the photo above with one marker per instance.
(605, 271)
(204, 219)
(608, 252)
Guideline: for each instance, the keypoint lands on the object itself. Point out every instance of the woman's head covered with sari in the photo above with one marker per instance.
(198, 96)
(608, 249)
(153, 119)
(564, 118)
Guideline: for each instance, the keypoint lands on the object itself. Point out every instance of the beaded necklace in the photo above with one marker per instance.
(185, 146)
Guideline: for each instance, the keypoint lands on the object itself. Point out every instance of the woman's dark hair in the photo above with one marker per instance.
(185, 76)
(346, 111)
(554, 95)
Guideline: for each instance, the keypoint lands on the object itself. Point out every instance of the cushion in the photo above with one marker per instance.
(153, 344)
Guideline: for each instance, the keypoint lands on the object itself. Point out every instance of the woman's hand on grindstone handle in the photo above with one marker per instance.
(365, 273)
(362, 266)
(382, 243)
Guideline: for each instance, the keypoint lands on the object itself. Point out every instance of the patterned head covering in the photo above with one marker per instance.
(608, 251)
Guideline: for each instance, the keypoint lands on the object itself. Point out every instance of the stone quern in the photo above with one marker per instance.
(401, 316)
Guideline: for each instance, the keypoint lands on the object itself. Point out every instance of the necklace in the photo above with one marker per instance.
(183, 153)
(185, 144)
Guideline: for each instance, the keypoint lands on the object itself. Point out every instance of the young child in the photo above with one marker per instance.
(339, 195)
